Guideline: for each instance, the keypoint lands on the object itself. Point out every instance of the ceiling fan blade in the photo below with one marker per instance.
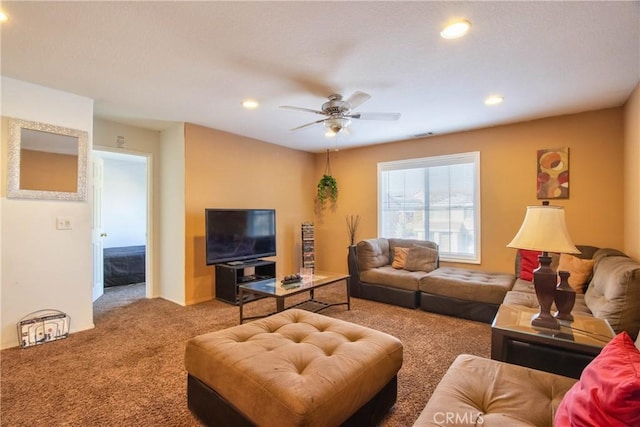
(308, 124)
(375, 116)
(358, 98)
(303, 109)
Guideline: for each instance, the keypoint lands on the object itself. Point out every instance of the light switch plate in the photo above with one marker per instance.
(63, 223)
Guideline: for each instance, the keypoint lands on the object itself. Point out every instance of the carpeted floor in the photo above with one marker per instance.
(129, 370)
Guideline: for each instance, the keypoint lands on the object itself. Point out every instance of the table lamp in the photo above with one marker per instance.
(544, 229)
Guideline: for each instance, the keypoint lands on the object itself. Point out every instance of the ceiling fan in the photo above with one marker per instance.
(339, 112)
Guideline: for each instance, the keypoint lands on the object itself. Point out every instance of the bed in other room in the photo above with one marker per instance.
(124, 265)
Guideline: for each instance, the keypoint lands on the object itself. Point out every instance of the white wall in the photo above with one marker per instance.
(124, 209)
(172, 221)
(41, 267)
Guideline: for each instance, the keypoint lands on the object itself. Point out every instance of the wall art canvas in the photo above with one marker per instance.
(553, 173)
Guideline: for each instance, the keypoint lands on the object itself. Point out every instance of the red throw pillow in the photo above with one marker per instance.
(528, 263)
(608, 392)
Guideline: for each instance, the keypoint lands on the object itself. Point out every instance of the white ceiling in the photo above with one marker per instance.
(153, 63)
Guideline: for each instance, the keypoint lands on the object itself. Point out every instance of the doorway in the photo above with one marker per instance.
(121, 224)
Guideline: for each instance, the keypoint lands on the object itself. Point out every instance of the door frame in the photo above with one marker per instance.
(149, 249)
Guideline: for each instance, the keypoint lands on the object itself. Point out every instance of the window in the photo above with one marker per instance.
(433, 198)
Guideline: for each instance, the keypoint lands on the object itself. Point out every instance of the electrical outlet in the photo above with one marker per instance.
(63, 223)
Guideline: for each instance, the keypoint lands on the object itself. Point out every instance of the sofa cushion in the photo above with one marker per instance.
(481, 391)
(529, 299)
(392, 278)
(372, 253)
(399, 257)
(614, 293)
(408, 243)
(580, 270)
(421, 258)
(523, 286)
(469, 285)
(608, 392)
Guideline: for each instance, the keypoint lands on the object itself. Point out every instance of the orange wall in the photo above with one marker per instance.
(632, 174)
(41, 170)
(224, 170)
(594, 211)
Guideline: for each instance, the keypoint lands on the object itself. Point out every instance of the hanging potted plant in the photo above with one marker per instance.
(327, 186)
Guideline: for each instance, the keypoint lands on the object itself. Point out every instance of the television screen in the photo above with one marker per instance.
(239, 234)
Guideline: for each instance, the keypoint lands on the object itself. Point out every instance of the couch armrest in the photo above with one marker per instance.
(354, 271)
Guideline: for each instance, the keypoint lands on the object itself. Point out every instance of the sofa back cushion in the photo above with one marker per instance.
(605, 252)
(409, 243)
(373, 253)
(614, 293)
(421, 258)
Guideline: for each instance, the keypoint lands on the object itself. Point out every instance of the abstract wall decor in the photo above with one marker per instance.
(553, 173)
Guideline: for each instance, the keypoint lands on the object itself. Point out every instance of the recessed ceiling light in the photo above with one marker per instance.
(250, 104)
(494, 100)
(455, 29)
(3, 17)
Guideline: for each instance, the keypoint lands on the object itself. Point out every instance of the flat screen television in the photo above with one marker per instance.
(239, 234)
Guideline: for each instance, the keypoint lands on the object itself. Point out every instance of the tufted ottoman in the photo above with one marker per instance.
(291, 369)
(470, 294)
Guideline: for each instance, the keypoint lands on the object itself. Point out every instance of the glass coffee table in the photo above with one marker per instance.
(565, 352)
(273, 288)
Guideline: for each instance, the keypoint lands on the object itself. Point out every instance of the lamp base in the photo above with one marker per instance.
(544, 282)
(545, 320)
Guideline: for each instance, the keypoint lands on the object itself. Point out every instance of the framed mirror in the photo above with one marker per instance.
(46, 161)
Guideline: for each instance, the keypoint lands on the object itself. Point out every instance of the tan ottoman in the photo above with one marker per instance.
(291, 369)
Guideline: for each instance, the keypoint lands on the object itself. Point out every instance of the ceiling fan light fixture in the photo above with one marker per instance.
(336, 124)
(456, 29)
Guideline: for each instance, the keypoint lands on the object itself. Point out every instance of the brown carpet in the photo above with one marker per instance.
(129, 370)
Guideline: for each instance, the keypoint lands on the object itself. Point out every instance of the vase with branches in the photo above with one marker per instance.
(352, 226)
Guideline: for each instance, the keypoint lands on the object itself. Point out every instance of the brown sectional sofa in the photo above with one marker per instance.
(469, 294)
(612, 293)
(373, 278)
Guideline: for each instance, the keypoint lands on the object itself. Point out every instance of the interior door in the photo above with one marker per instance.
(98, 233)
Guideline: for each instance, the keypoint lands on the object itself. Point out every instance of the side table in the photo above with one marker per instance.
(564, 352)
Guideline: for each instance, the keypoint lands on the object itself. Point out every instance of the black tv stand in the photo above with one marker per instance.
(229, 276)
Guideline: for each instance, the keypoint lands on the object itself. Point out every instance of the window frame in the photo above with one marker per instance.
(433, 161)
